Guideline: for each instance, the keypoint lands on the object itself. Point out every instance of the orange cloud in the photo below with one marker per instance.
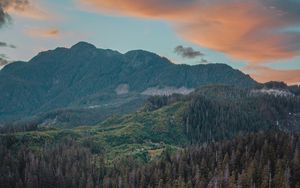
(251, 30)
(265, 74)
(139, 8)
(25, 8)
(43, 33)
(30, 12)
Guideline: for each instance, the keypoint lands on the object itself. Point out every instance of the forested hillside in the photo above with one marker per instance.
(210, 114)
(257, 160)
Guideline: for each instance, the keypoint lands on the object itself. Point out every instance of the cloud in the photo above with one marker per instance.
(32, 11)
(4, 44)
(204, 61)
(253, 30)
(265, 74)
(13, 5)
(3, 60)
(43, 32)
(187, 52)
(24, 8)
(5, 18)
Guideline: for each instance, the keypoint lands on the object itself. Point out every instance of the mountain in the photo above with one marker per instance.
(84, 77)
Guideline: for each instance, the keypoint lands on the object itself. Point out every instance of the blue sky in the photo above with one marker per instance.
(68, 21)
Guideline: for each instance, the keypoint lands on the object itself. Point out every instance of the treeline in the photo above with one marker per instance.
(261, 160)
(209, 109)
(63, 165)
(258, 160)
(214, 113)
(156, 102)
(210, 119)
(19, 126)
(295, 89)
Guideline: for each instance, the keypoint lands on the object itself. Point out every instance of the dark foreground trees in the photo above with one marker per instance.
(63, 165)
(257, 160)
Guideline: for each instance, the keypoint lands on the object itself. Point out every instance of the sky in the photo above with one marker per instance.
(259, 37)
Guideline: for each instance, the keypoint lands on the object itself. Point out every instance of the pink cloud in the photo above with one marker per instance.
(25, 8)
(251, 30)
(43, 32)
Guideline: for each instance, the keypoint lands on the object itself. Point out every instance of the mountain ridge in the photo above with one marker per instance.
(85, 75)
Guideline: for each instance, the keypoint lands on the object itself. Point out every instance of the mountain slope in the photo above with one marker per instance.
(210, 114)
(84, 76)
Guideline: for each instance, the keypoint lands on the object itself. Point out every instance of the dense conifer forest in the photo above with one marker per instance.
(256, 160)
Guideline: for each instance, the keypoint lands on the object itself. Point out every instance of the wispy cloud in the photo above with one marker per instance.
(23, 8)
(3, 60)
(4, 44)
(5, 5)
(13, 5)
(43, 32)
(187, 52)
